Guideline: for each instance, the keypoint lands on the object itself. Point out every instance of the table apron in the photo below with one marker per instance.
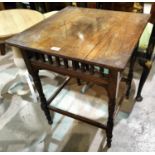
(73, 73)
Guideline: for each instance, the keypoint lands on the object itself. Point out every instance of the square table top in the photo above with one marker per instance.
(102, 37)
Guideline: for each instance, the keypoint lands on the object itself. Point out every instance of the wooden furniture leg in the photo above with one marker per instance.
(111, 90)
(2, 48)
(146, 70)
(44, 104)
(35, 75)
(130, 75)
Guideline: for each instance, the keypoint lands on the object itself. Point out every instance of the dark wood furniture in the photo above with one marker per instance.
(82, 43)
(145, 59)
(146, 62)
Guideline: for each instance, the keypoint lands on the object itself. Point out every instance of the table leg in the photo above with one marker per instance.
(130, 75)
(111, 90)
(146, 70)
(35, 75)
(44, 104)
(2, 48)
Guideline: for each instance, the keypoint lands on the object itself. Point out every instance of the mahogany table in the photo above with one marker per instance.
(88, 44)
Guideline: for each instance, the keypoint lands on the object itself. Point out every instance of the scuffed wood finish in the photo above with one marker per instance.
(14, 21)
(105, 38)
(87, 44)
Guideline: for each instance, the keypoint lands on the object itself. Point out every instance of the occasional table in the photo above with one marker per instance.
(14, 21)
(89, 44)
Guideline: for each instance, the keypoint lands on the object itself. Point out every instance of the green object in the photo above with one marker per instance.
(144, 40)
(105, 70)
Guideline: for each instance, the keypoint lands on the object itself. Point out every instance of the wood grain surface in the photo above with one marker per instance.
(102, 37)
(14, 21)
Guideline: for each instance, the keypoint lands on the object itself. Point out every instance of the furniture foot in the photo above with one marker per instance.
(146, 71)
(110, 123)
(139, 98)
(2, 48)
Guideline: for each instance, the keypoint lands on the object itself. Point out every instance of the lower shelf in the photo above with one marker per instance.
(90, 107)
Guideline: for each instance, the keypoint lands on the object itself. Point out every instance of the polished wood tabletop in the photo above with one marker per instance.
(14, 21)
(102, 37)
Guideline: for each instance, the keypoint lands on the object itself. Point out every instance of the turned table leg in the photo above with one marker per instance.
(44, 104)
(110, 123)
(2, 48)
(111, 90)
(35, 75)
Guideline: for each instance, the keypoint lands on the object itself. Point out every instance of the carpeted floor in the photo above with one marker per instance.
(23, 126)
